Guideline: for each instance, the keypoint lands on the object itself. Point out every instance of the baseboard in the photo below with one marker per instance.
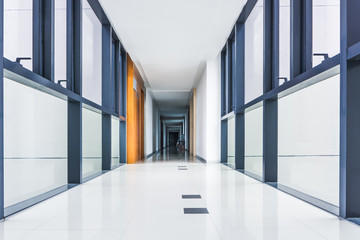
(155, 152)
(200, 159)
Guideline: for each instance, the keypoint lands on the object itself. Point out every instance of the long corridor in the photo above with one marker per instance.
(144, 201)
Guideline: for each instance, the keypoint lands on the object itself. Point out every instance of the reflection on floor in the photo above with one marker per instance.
(170, 154)
(144, 201)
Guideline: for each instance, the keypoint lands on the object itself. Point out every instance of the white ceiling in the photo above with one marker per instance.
(170, 40)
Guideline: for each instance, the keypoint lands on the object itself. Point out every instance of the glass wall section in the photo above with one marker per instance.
(326, 28)
(231, 142)
(35, 142)
(254, 142)
(18, 27)
(115, 141)
(284, 40)
(91, 142)
(309, 140)
(60, 40)
(254, 53)
(91, 55)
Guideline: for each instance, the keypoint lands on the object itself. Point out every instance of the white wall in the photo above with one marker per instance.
(152, 125)
(201, 109)
(208, 112)
(148, 123)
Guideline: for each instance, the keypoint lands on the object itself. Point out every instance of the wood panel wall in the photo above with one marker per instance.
(134, 114)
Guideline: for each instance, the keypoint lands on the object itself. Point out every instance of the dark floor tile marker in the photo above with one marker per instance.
(191, 196)
(196, 211)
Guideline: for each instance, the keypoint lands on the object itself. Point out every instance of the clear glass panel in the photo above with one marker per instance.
(284, 39)
(326, 28)
(60, 40)
(309, 140)
(231, 142)
(18, 27)
(91, 142)
(254, 53)
(91, 53)
(254, 142)
(35, 142)
(115, 141)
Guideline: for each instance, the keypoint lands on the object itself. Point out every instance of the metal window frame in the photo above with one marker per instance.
(302, 75)
(42, 78)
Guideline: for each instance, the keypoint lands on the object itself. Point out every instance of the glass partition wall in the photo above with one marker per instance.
(53, 133)
(309, 140)
(91, 142)
(254, 142)
(35, 142)
(231, 142)
(287, 98)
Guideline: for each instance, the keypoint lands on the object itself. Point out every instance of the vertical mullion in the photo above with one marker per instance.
(106, 95)
(43, 38)
(228, 76)
(74, 46)
(349, 112)
(300, 37)
(223, 79)
(74, 77)
(224, 140)
(270, 105)
(2, 205)
(123, 92)
(38, 37)
(48, 39)
(239, 82)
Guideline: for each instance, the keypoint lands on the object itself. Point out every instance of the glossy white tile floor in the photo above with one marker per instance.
(143, 201)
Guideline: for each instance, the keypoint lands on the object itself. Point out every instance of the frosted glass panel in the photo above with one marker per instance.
(60, 40)
(115, 141)
(91, 69)
(231, 142)
(326, 28)
(91, 142)
(309, 140)
(18, 26)
(284, 39)
(254, 142)
(254, 53)
(35, 146)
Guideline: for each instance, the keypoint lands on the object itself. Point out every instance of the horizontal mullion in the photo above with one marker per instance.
(18, 73)
(327, 69)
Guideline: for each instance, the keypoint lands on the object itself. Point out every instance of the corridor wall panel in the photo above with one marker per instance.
(231, 142)
(309, 140)
(91, 142)
(35, 142)
(254, 142)
(115, 141)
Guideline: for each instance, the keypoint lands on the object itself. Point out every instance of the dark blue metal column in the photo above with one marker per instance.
(43, 38)
(1, 109)
(224, 139)
(300, 36)
(74, 77)
(106, 95)
(239, 95)
(223, 86)
(349, 112)
(270, 105)
(74, 142)
(74, 45)
(123, 92)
